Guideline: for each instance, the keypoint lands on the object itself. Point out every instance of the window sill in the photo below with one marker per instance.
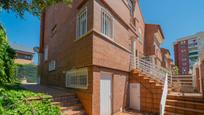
(83, 36)
(112, 41)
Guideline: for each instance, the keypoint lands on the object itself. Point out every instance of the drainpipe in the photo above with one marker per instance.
(133, 50)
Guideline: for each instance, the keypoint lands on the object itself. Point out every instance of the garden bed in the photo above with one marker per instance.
(15, 100)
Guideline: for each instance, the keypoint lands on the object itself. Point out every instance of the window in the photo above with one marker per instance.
(52, 65)
(131, 7)
(46, 53)
(22, 56)
(193, 53)
(107, 24)
(77, 78)
(82, 23)
(140, 36)
(53, 30)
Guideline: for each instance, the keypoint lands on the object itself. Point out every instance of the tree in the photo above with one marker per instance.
(28, 71)
(7, 55)
(35, 7)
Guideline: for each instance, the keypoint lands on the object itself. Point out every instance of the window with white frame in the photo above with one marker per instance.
(140, 36)
(46, 53)
(77, 78)
(131, 6)
(52, 65)
(107, 24)
(81, 23)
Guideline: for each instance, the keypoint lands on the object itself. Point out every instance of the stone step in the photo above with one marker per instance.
(186, 104)
(67, 102)
(72, 108)
(67, 98)
(74, 113)
(185, 98)
(184, 111)
(170, 113)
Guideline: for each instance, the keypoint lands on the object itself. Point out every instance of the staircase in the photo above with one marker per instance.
(154, 81)
(150, 91)
(182, 105)
(66, 100)
(69, 104)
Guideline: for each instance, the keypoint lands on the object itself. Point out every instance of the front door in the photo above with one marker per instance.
(105, 94)
(134, 96)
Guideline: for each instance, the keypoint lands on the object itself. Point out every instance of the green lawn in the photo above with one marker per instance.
(15, 101)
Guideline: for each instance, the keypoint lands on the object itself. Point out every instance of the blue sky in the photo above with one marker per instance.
(177, 18)
(24, 31)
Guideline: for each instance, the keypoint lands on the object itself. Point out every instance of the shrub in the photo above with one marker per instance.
(7, 55)
(14, 101)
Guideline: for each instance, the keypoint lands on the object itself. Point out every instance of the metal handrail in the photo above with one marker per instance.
(155, 71)
(164, 96)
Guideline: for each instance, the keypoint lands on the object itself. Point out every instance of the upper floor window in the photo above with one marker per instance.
(82, 23)
(131, 6)
(46, 53)
(22, 56)
(140, 36)
(107, 24)
(52, 65)
(54, 30)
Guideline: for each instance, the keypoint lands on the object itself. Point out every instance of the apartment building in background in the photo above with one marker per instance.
(154, 37)
(24, 55)
(187, 51)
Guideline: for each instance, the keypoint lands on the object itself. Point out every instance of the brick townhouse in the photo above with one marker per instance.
(153, 38)
(87, 47)
(167, 62)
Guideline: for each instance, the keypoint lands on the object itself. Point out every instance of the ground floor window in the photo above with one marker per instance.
(77, 78)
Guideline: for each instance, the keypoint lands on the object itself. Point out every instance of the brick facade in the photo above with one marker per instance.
(153, 38)
(94, 50)
(166, 59)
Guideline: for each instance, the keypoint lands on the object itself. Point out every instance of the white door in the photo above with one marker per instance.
(105, 94)
(134, 96)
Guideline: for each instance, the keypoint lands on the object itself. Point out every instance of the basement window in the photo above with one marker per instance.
(77, 78)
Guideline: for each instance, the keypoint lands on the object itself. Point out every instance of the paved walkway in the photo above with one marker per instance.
(128, 113)
(50, 90)
(57, 91)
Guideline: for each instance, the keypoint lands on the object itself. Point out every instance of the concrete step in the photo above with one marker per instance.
(186, 104)
(170, 113)
(72, 108)
(185, 98)
(75, 113)
(67, 102)
(184, 111)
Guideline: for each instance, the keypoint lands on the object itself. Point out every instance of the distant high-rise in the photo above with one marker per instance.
(187, 51)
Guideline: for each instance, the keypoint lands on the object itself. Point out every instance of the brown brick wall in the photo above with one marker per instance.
(119, 89)
(149, 49)
(23, 61)
(121, 14)
(150, 96)
(93, 51)
(202, 75)
(63, 47)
